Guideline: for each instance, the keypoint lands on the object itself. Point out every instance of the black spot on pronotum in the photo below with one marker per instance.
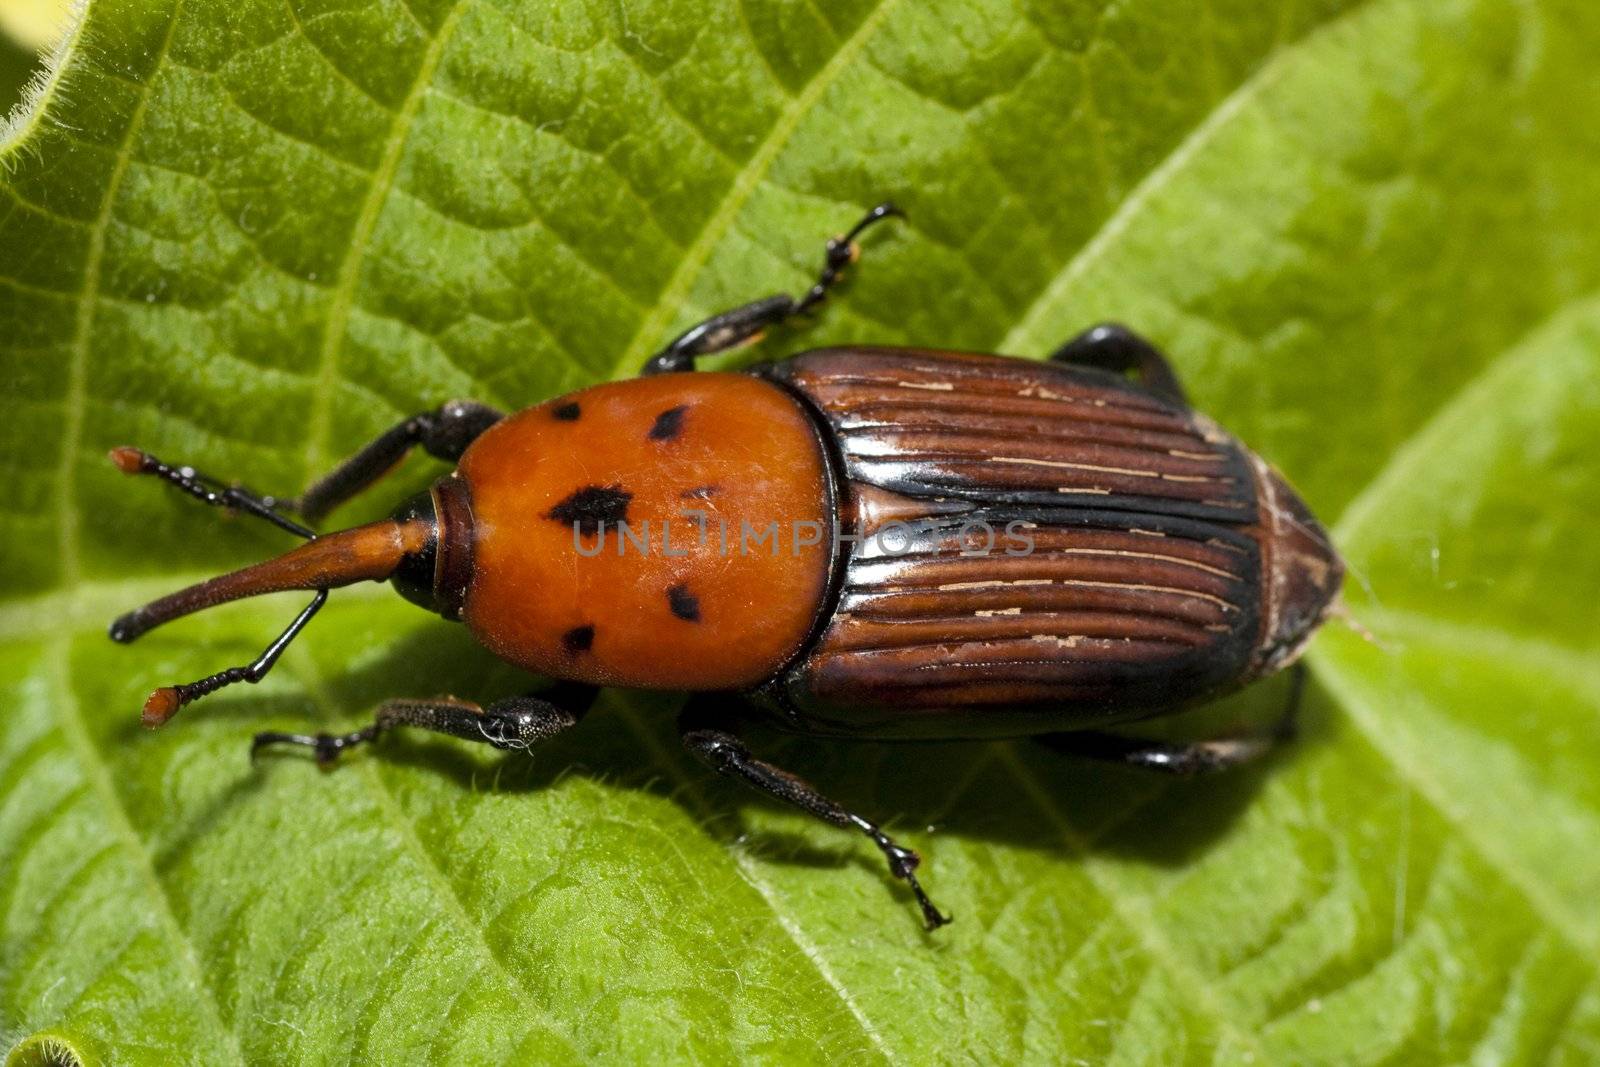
(578, 639)
(668, 424)
(699, 492)
(590, 506)
(567, 412)
(684, 604)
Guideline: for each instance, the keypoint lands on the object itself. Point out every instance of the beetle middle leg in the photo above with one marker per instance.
(711, 741)
(1112, 346)
(747, 323)
(444, 433)
(1186, 759)
(517, 723)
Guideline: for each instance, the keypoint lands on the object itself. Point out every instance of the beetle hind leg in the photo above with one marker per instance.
(1113, 347)
(517, 723)
(747, 323)
(1181, 760)
(1186, 759)
(720, 749)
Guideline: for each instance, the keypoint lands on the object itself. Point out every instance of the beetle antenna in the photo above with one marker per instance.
(366, 553)
(164, 703)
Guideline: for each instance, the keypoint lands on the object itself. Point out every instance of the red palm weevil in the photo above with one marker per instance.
(855, 542)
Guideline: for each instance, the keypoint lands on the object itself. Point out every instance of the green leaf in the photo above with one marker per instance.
(252, 234)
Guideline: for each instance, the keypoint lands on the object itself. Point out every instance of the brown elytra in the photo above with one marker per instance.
(1166, 563)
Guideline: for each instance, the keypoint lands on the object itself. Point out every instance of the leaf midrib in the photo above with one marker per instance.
(1461, 410)
(1414, 771)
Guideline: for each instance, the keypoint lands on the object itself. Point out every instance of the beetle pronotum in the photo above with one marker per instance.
(1074, 548)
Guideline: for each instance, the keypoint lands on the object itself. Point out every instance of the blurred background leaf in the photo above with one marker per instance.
(252, 234)
(17, 65)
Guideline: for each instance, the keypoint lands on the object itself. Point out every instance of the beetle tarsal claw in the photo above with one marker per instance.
(932, 917)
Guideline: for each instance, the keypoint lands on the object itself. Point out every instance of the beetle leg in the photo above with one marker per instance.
(1112, 346)
(1191, 758)
(723, 752)
(1183, 760)
(747, 323)
(517, 723)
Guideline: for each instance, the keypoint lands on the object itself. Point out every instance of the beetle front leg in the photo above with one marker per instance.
(748, 323)
(1186, 759)
(517, 723)
(1112, 346)
(721, 750)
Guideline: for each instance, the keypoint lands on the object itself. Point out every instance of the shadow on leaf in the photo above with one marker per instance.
(1017, 793)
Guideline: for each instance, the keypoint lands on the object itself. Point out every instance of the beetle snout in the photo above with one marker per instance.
(1303, 574)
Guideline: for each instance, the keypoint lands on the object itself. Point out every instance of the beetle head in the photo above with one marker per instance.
(436, 575)
(425, 548)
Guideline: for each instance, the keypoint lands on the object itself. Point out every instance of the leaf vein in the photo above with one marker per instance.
(1143, 925)
(654, 324)
(121, 826)
(1546, 904)
(1092, 251)
(743, 865)
(427, 863)
(319, 424)
(83, 328)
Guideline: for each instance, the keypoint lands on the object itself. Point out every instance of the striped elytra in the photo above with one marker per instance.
(1164, 562)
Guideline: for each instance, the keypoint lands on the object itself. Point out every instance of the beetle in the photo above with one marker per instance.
(908, 544)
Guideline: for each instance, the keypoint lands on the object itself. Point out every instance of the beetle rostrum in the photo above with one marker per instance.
(1074, 547)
